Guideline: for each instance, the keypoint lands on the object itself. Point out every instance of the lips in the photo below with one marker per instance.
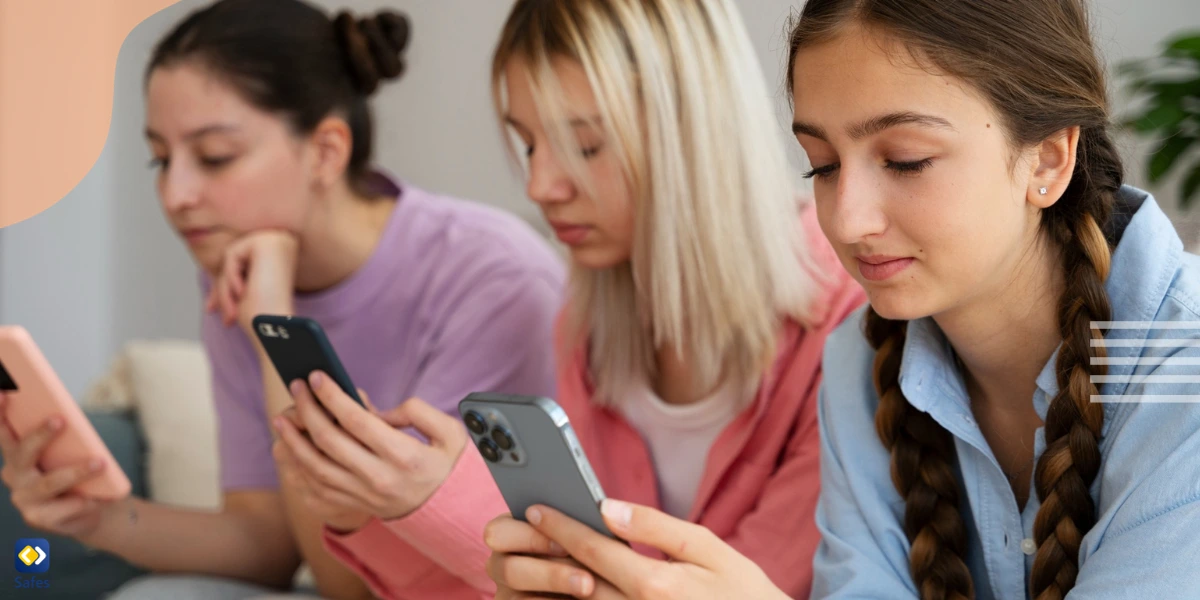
(569, 233)
(881, 268)
(195, 235)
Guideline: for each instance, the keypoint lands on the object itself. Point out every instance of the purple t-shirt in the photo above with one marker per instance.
(457, 298)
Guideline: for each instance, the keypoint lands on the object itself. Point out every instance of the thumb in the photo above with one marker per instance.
(439, 427)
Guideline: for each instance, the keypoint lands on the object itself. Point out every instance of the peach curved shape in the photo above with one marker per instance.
(58, 61)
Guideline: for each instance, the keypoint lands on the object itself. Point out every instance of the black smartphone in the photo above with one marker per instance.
(297, 346)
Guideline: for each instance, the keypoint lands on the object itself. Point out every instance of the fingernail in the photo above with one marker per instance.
(619, 513)
(576, 583)
(534, 516)
(555, 548)
(296, 387)
(95, 464)
(278, 421)
(56, 423)
(316, 379)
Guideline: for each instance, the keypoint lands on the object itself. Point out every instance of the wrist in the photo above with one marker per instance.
(116, 521)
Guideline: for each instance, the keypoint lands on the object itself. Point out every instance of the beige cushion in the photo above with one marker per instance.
(167, 383)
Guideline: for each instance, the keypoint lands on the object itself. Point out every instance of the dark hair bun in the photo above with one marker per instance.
(374, 47)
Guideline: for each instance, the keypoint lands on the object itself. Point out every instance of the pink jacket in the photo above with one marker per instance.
(759, 490)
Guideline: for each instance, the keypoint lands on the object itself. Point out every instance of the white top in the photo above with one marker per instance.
(679, 437)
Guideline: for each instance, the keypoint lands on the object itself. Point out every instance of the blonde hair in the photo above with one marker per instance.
(718, 258)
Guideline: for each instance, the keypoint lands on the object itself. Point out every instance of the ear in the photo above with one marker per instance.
(1053, 165)
(332, 143)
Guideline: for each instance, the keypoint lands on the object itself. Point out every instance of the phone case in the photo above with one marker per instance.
(550, 467)
(35, 393)
(297, 347)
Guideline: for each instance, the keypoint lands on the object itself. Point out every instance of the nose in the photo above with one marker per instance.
(178, 187)
(857, 213)
(549, 182)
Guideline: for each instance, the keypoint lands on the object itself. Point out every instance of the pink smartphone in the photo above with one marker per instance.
(35, 393)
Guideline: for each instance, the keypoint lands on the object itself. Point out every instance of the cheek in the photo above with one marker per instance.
(260, 194)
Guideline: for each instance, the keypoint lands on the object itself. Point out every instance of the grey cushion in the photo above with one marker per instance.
(75, 570)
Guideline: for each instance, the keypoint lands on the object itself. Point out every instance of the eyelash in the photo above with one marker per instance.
(586, 152)
(901, 168)
(208, 163)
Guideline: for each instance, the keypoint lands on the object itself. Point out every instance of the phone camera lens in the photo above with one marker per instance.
(475, 422)
(502, 438)
(489, 450)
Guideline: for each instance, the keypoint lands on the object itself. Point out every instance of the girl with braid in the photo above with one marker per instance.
(1000, 430)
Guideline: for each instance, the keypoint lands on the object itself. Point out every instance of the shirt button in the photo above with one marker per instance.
(1028, 546)
(966, 419)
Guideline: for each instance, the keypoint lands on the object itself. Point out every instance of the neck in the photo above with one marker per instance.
(675, 384)
(340, 236)
(1005, 336)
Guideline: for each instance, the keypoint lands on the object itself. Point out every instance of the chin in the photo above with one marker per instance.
(898, 304)
(597, 258)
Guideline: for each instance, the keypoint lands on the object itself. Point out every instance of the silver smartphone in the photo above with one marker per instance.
(534, 456)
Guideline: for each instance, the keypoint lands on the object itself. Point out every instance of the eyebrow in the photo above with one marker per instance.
(196, 133)
(575, 122)
(875, 125)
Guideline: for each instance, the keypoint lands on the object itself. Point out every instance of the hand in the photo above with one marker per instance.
(531, 561)
(702, 565)
(328, 506)
(362, 456)
(45, 500)
(256, 276)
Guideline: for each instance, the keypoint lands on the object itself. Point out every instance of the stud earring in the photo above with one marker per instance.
(1042, 191)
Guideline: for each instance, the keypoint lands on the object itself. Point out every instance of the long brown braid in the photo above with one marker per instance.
(1049, 82)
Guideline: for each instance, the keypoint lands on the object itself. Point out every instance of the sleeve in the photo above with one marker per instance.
(1154, 559)
(494, 336)
(438, 550)
(243, 435)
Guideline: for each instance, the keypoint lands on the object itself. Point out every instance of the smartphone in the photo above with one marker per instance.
(35, 393)
(534, 456)
(297, 346)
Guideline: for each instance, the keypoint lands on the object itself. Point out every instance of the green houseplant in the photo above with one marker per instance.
(1170, 86)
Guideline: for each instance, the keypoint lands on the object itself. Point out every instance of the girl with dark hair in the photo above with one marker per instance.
(259, 123)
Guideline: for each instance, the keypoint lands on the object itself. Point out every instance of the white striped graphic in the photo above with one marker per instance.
(1145, 324)
(1165, 361)
(1168, 361)
(1152, 398)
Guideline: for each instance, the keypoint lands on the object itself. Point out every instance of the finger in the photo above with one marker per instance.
(51, 515)
(366, 428)
(318, 468)
(60, 481)
(8, 439)
(681, 540)
(333, 439)
(531, 574)
(507, 535)
(29, 450)
(330, 498)
(607, 558)
(442, 430)
(367, 401)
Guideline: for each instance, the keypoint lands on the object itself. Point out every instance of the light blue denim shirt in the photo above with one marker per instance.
(1146, 542)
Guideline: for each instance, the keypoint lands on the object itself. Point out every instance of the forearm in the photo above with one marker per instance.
(334, 580)
(225, 544)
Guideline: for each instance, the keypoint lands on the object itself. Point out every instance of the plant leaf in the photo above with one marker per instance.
(1167, 154)
(1190, 186)
(1163, 116)
(1188, 45)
